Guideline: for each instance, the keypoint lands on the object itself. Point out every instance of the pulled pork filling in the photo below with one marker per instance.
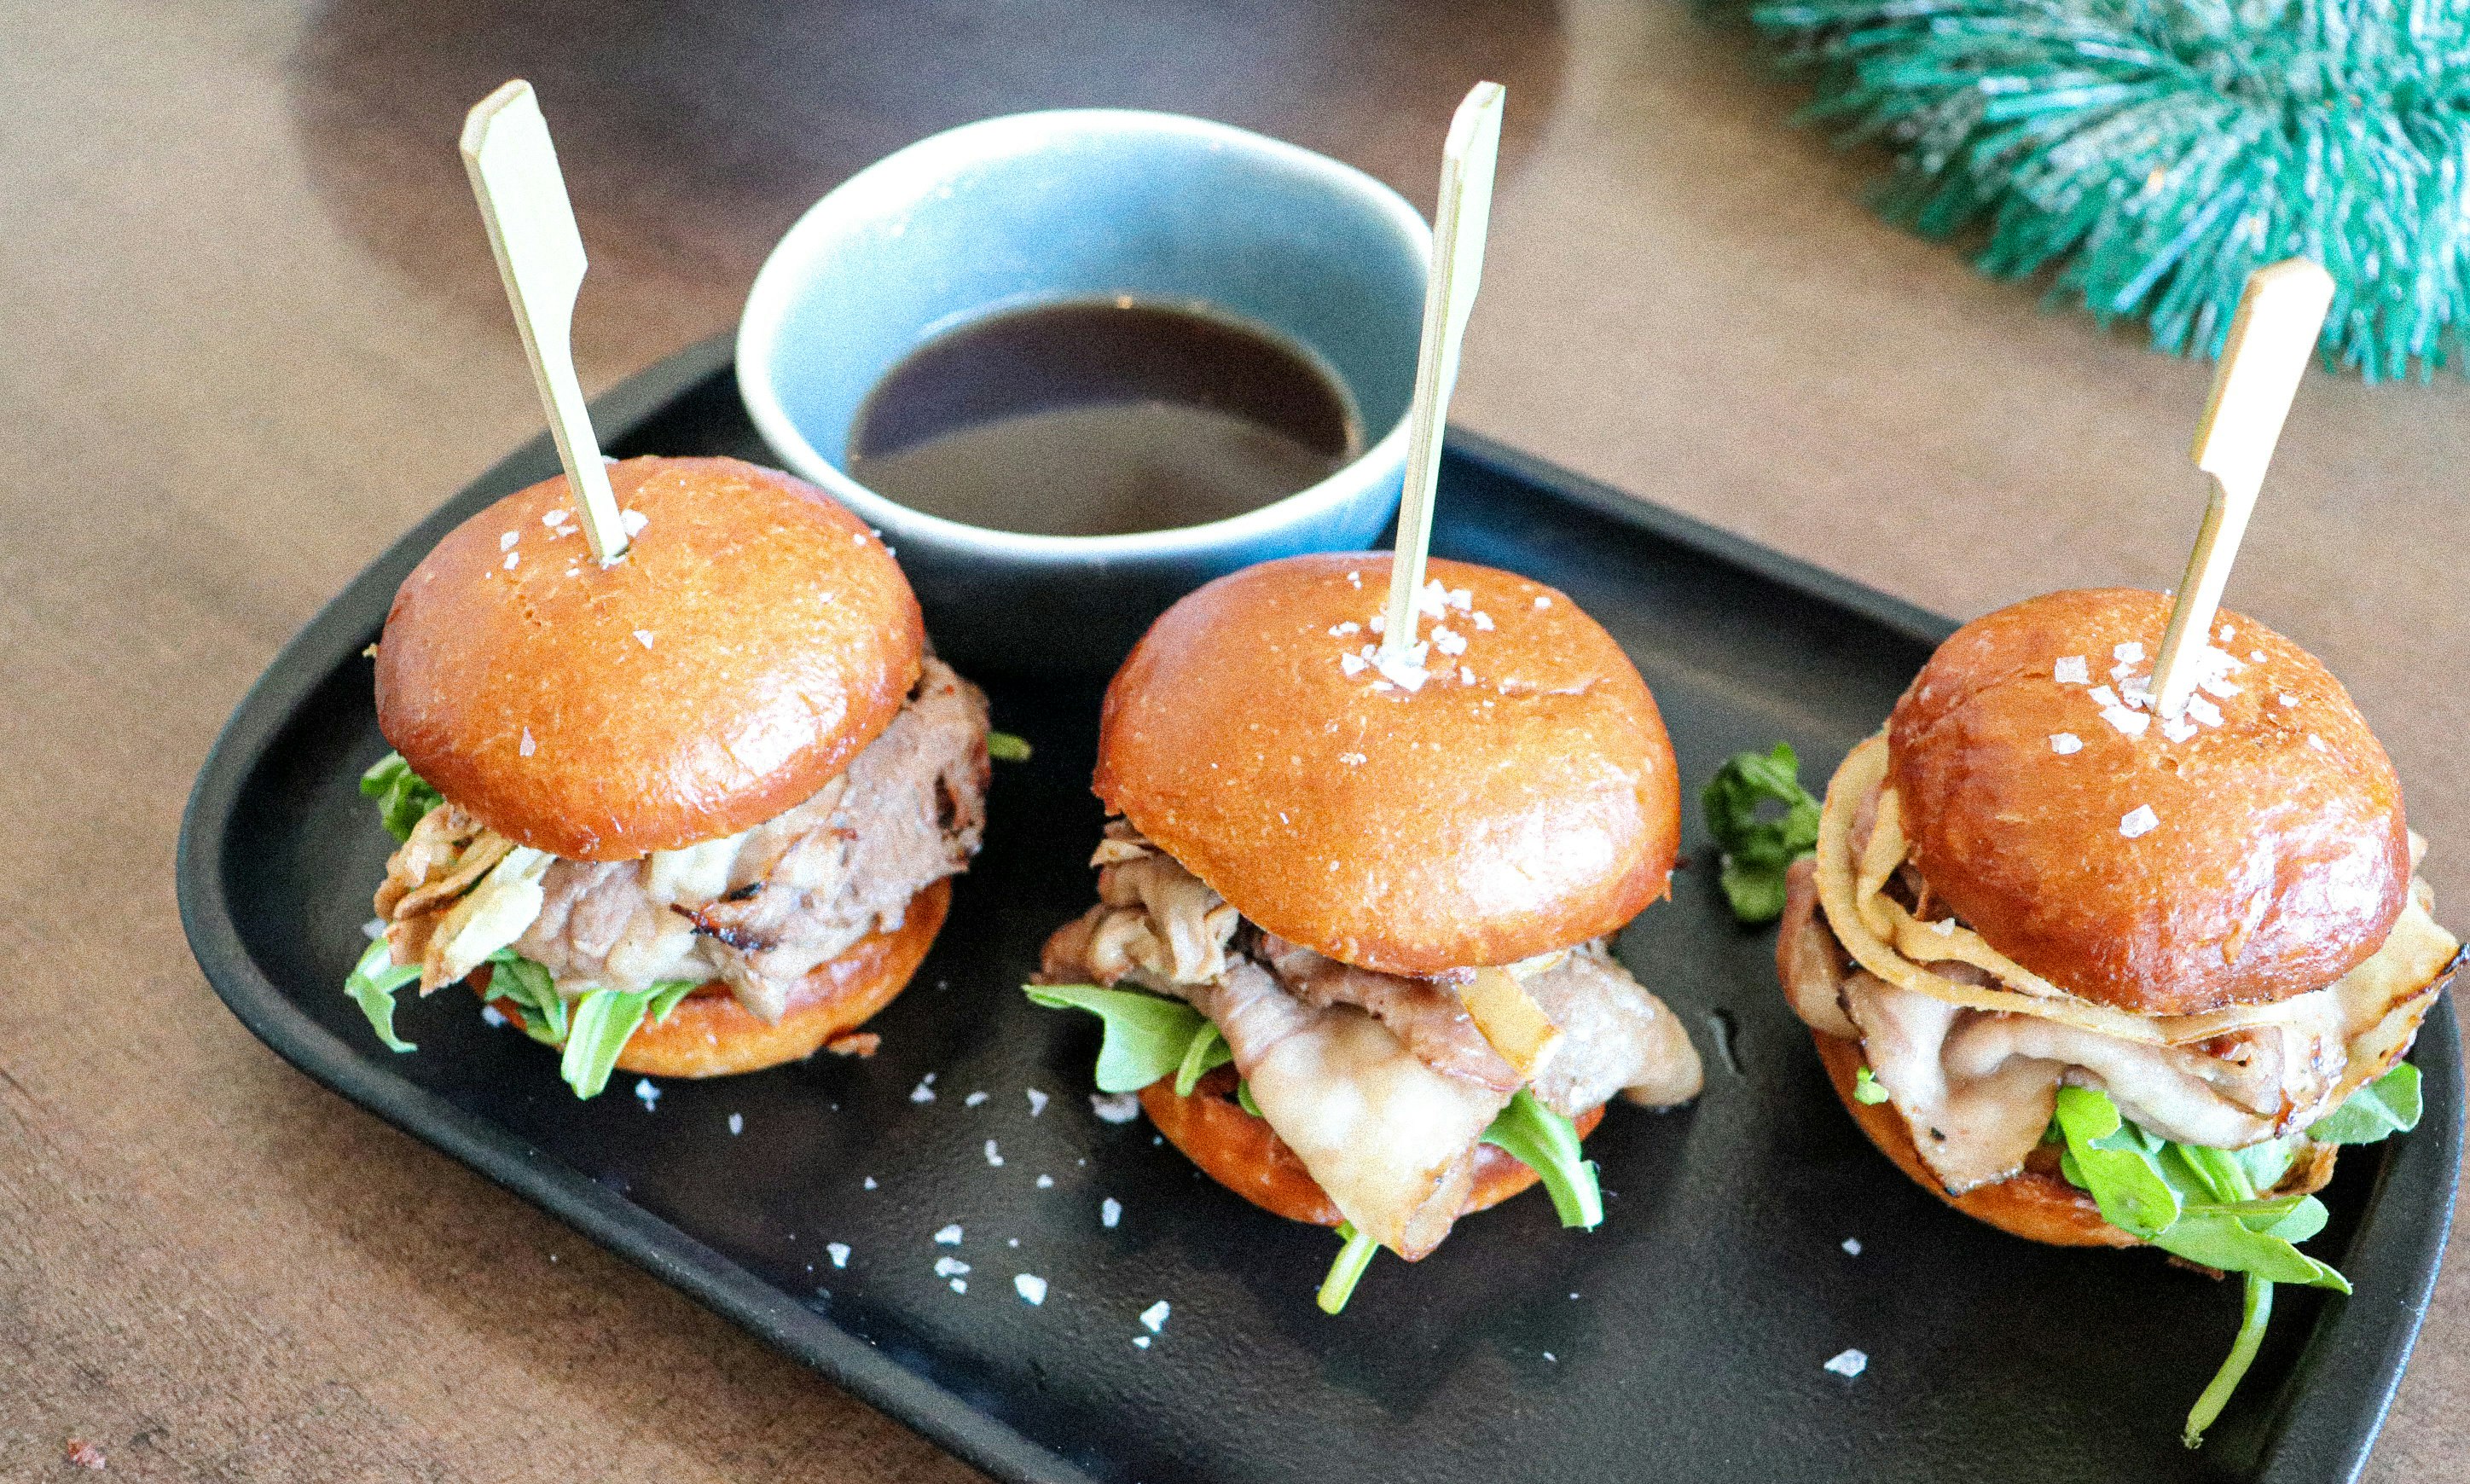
(1381, 1084)
(756, 911)
(1971, 1047)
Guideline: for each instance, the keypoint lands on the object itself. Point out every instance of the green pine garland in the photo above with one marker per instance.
(2153, 152)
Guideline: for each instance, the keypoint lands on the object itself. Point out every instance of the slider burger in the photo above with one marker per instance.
(1351, 945)
(2099, 976)
(690, 814)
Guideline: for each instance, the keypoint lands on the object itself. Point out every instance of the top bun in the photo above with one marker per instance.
(2275, 857)
(754, 639)
(1523, 803)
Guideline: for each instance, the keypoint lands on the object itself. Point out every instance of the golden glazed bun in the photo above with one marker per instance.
(1475, 821)
(2038, 1204)
(754, 639)
(2280, 859)
(1243, 1153)
(708, 1034)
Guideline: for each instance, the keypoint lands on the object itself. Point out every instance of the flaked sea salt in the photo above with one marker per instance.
(1343, 630)
(1141, 1341)
(995, 1156)
(922, 1093)
(1109, 1212)
(2317, 743)
(1036, 1101)
(2139, 821)
(1943, 927)
(869, 1182)
(1449, 641)
(527, 746)
(1115, 1107)
(506, 543)
(2128, 653)
(644, 1090)
(1046, 1182)
(2131, 723)
(1852, 1246)
(1352, 760)
(2072, 671)
(2287, 699)
(643, 636)
(491, 1015)
(1849, 1363)
(1031, 1287)
(2204, 712)
(2064, 743)
(737, 1123)
(2178, 728)
(1351, 666)
(949, 1267)
(973, 1099)
(2103, 696)
(949, 1236)
(1482, 620)
(633, 520)
(960, 1286)
(1155, 1316)
(1542, 602)
(513, 557)
(840, 1251)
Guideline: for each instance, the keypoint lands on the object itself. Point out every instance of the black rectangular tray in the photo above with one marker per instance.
(1685, 1339)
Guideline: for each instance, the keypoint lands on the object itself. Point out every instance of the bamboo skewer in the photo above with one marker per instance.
(513, 166)
(2280, 315)
(1461, 218)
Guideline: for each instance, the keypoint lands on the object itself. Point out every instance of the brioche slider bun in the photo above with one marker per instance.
(2276, 859)
(753, 640)
(1521, 806)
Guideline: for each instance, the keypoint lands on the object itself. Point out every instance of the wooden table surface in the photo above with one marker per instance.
(250, 331)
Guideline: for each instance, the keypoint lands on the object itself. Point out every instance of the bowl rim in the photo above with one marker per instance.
(916, 168)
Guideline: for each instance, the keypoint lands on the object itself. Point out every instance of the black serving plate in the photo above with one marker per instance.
(1685, 1339)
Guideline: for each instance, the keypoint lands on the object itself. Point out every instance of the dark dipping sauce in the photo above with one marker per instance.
(1100, 418)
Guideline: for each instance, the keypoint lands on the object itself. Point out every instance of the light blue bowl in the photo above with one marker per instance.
(1079, 204)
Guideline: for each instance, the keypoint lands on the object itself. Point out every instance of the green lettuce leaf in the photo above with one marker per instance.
(1345, 1269)
(403, 797)
(1207, 1052)
(2106, 1155)
(2386, 1107)
(1547, 1143)
(528, 987)
(603, 1019)
(1148, 1036)
(373, 982)
(2214, 1216)
(1756, 851)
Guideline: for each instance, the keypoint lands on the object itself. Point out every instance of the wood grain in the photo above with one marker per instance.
(252, 331)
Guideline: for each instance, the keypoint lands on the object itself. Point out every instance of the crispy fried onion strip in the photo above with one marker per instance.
(2382, 997)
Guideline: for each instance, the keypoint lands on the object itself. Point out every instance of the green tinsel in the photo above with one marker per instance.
(2154, 154)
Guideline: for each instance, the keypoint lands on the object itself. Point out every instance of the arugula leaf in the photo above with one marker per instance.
(2221, 1239)
(2386, 1107)
(1207, 1052)
(528, 987)
(1547, 1143)
(1346, 1269)
(1868, 1089)
(1148, 1036)
(1243, 1101)
(403, 796)
(1003, 746)
(373, 982)
(603, 1021)
(1756, 852)
(2258, 1312)
(2107, 1156)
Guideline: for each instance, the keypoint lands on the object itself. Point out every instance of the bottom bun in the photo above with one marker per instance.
(1245, 1155)
(2037, 1204)
(710, 1034)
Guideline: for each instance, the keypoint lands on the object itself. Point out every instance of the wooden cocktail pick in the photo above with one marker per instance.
(508, 152)
(2279, 315)
(1459, 225)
